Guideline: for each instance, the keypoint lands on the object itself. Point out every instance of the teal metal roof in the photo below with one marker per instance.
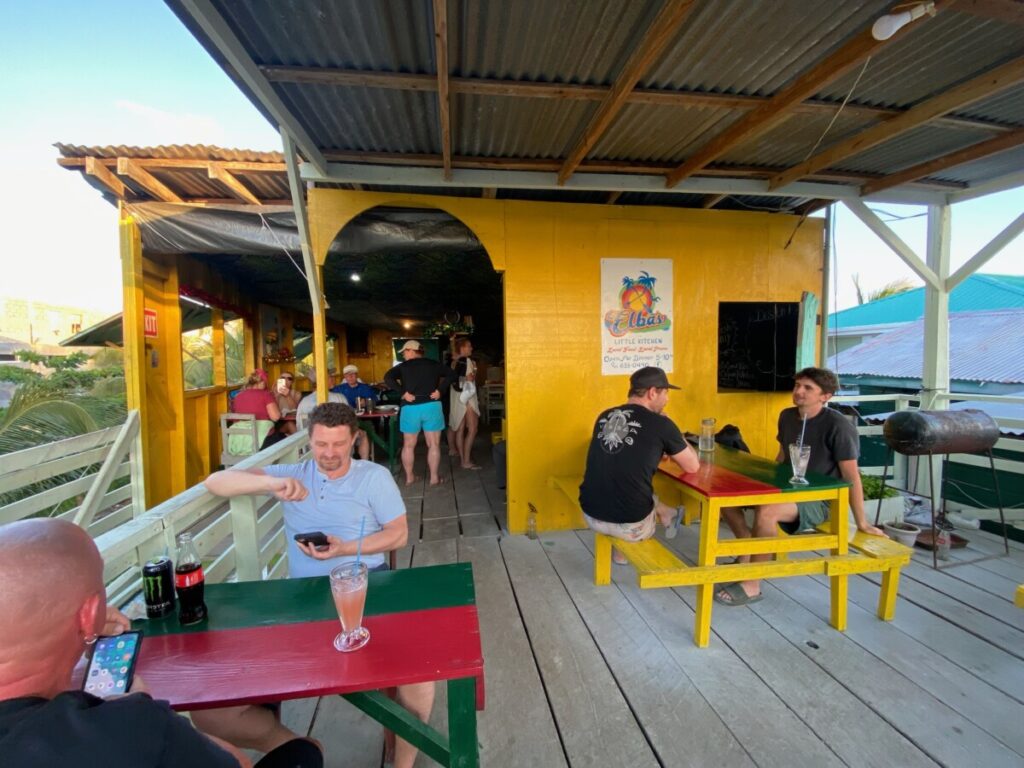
(976, 293)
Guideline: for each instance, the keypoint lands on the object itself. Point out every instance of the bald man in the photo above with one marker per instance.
(53, 606)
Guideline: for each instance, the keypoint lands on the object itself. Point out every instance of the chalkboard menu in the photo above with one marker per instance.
(757, 343)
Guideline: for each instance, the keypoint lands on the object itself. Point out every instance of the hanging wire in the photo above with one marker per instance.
(273, 234)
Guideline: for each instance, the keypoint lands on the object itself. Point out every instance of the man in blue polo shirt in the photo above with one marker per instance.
(339, 496)
(352, 388)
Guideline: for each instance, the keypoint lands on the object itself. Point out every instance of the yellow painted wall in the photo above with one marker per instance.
(550, 255)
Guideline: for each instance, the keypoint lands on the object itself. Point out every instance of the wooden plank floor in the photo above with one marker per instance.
(579, 675)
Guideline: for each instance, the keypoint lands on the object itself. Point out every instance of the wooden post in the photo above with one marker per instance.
(246, 536)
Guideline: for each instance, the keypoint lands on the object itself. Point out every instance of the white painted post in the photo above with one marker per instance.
(935, 373)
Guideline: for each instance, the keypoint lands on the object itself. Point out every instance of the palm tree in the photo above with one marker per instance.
(39, 414)
(900, 285)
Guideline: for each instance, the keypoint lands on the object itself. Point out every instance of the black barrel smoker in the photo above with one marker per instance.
(940, 433)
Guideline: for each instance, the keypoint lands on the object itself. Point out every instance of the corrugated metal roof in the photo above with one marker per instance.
(976, 293)
(171, 152)
(983, 346)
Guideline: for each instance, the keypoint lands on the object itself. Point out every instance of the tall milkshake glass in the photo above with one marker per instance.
(348, 586)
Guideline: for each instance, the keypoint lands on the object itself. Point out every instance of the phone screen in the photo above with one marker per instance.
(112, 665)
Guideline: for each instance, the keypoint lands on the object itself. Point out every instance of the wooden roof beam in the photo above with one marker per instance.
(779, 106)
(130, 168)
(229, 180)
(354, 78)
(613, 197)
(710, 201)
(661, 32)
(966, 155)
(489, 193)
(108, 179)
(973, 90)
(443, 98)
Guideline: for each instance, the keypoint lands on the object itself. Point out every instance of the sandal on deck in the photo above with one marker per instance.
(737, 596)
(673, 527)
(618, 558)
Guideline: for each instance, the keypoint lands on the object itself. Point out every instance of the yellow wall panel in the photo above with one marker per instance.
(551, 258)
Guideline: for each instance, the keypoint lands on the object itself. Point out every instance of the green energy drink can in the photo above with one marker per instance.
(158, 587)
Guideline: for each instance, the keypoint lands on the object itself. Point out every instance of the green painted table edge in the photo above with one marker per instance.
(767, 471)
(288, 601)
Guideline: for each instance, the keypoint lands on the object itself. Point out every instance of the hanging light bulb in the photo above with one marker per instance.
(891, 23)
(355, 277)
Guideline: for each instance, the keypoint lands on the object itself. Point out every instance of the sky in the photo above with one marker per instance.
(112, 72)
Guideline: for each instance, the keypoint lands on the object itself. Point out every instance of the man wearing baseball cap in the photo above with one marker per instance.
(352, 388)
(627, 444)
(421, 382)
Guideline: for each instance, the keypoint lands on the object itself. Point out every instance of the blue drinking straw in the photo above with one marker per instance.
(359, 546)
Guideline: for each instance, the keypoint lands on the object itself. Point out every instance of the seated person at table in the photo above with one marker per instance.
(55, 606)
(835, 447)
(333, 493)
(352, 388)
(308, 403)
(626, 446)
(255, 399)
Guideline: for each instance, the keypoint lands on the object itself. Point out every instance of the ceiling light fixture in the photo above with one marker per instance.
(355, 277)
(891, 23)
(407, 325)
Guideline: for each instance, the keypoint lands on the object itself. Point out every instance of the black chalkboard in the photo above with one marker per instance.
(757, 345)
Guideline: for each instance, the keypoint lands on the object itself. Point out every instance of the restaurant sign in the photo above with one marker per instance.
(636, 315)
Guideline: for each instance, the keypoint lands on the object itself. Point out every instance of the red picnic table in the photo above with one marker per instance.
(268, 641)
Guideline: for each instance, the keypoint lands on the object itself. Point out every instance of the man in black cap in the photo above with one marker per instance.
(617, 494)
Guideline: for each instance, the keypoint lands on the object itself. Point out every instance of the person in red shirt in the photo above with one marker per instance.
(257, 399)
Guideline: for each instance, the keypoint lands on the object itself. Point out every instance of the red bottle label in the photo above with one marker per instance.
(189, 579)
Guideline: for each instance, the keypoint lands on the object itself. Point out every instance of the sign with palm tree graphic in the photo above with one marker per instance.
(636, 315)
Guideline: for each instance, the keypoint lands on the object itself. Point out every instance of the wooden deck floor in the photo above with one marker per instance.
(579, 675)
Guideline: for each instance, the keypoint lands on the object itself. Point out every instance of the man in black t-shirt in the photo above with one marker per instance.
(835, 447)
(627, 444)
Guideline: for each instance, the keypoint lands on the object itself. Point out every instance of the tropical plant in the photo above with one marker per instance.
(872, 487)
(39, 414)
(900, 285)
(197, 356)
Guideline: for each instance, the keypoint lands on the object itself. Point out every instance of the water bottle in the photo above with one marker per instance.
(531, 522)
(707, 435)
(942, 543)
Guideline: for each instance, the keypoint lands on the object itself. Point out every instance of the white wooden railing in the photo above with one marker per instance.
(239, 539)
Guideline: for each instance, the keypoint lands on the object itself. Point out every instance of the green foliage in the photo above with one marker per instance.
(872, 485)
(56, 362)
(18, 375)
(39, 413)
(109, 357)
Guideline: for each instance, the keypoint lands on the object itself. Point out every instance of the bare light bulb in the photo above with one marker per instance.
(891, 23)
(355, 277)
(407, 325)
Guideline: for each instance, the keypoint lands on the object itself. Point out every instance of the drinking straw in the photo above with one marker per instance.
(359, 545)
(802, 428)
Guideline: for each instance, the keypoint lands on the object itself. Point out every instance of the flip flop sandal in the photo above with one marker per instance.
(737, 595)
(673, 527)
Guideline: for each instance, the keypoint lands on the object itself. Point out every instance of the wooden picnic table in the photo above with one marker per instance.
(267, 641)
(731, 478)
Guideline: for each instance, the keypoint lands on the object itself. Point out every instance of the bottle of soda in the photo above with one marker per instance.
(189, 582)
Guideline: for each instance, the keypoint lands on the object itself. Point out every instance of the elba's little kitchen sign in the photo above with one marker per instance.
(636, 315)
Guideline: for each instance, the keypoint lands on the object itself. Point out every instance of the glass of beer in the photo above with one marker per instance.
(799, 455)
(348, 586)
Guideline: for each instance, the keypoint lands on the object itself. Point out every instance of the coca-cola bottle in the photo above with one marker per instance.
(189, 582)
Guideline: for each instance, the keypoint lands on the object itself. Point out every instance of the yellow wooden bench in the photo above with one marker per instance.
(657, 566)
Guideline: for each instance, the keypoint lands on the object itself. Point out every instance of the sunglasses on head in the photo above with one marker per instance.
(288, 378)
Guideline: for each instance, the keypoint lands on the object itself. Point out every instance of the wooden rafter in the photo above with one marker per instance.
(489, 193)
(126, 166)
(974, 152)
(973, 90)
(108, 179)
(710, 201)
(353, 78)
(779, 106)
(1008, 11)
(229, 180)
(613, 197)
(661, 32)
(443, 98)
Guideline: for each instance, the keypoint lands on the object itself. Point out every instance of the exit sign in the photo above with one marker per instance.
(149, 323)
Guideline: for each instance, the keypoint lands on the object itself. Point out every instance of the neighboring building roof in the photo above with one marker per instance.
(984, 346)
(976, 293)
(9, 346)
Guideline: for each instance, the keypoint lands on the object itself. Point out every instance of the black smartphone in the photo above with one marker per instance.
(314, 538)
(112, 665)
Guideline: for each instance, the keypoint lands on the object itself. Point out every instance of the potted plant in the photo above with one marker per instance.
(892, 501)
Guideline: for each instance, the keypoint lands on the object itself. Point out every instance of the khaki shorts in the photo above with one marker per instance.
(638, 531)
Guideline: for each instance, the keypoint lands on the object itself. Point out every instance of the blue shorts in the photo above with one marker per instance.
(425, 416)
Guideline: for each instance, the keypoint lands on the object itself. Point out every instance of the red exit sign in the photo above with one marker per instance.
(149, 323)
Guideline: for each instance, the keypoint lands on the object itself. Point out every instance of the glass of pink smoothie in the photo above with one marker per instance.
(348, 586)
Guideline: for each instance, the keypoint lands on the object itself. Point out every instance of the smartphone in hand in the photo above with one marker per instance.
(112, 665)
(315, 539)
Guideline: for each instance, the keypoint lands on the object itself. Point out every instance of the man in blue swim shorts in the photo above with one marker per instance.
(422, 382)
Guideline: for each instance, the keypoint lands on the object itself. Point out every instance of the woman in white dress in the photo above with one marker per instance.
(464, 414)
